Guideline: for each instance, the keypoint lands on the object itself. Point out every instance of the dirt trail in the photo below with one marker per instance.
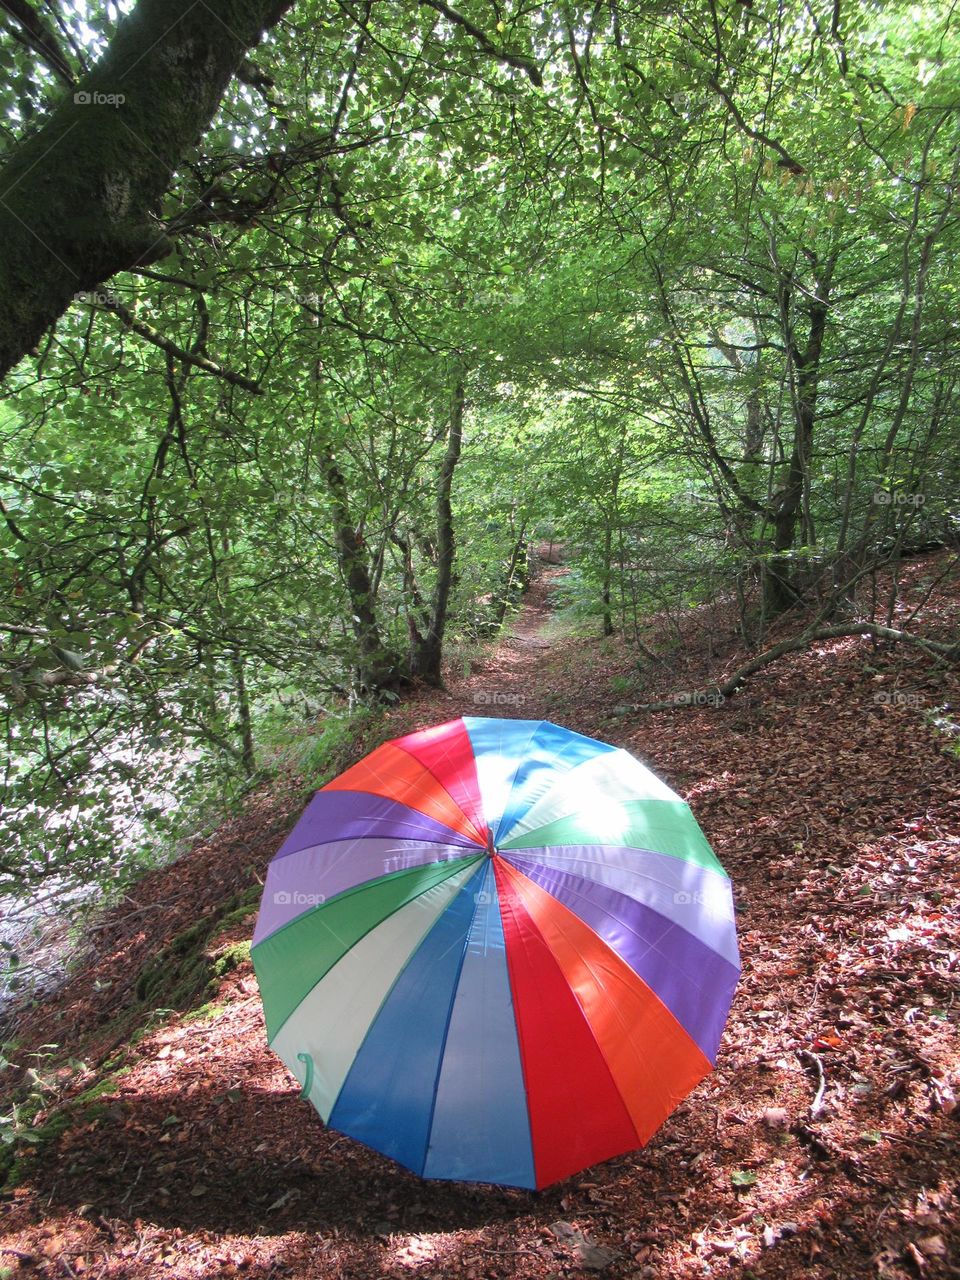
(834, 806)
(507, 682)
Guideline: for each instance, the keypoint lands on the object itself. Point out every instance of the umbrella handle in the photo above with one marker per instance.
(307, 1061)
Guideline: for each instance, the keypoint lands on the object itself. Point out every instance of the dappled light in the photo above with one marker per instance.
(200, 1153)
(479, 640)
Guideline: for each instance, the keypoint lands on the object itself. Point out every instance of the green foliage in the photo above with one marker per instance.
(36, 1112)
(321, 751)
(946, 724)
(698, 289)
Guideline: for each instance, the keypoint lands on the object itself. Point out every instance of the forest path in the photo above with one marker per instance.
(507, 681)
(512, 677)
(833, 805)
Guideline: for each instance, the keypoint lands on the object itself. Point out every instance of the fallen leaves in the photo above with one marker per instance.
(581, 1248)
(838, 827)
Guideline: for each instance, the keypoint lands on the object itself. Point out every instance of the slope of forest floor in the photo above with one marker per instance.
(162, 1138)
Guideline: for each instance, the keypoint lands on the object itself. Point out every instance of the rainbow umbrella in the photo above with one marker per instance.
(496, 951)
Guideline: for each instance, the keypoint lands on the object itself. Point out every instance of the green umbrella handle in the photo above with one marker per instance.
(307, 1061)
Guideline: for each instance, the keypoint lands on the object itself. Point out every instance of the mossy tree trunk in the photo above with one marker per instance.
(376, 668)
(79, 198)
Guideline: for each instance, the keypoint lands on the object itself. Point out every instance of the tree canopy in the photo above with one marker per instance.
(314, 316)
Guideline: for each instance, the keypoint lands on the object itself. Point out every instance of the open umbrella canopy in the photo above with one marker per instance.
(496, 951)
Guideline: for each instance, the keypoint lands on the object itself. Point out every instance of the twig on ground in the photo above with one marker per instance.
(814, 1064)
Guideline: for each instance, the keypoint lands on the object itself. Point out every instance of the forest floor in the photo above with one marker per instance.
(162, 1137)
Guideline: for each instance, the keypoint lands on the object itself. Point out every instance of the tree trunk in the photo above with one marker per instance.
(79, 198)
(375, 668)
(248, 755)
(607, 574)
(780, 592)
(426, 654)
(517, 571)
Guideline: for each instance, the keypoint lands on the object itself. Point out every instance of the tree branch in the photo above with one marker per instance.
(519, 60)
(727, 688)
(35, 33)
(154, 336)
(80, 197)
(789, 162)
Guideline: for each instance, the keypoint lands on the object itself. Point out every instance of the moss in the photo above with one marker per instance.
(115, 1063)
(249, 901)
(231, 957)
(17, 1157)
(13, 1168)
(205, 1013)
(178, 972)
(106, 1085)
(187, 968)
